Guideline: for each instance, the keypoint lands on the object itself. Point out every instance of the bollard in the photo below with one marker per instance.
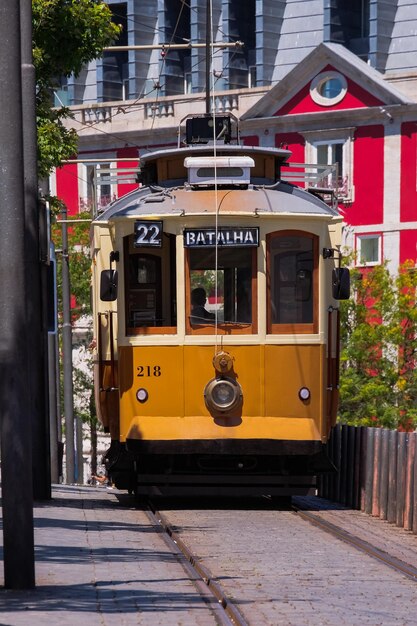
(383, 482)
(376, 473)
(392, 478)
(369, 476)
(350, 469)
(359, 436)
(343, 463)
(401, 471)
(408, 504)
(337, 462)
(414, 502)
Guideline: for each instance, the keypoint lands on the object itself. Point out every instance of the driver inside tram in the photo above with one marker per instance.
(199, 313)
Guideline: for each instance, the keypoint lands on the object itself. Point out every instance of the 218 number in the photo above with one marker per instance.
(149, 370)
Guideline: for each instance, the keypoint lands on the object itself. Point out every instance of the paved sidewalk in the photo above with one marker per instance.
(99, 563)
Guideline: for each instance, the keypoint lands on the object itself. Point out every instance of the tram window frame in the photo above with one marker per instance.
(163, 297)
(276, 328)
(223, 327)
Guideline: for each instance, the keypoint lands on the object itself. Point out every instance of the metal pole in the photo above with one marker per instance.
(173, 46)
(67, 355)
(52, 409)
(52, 369)
(35, 271)
(15, 422)
(80, 456)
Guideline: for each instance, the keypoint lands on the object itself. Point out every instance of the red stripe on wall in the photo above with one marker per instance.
(67, 187)
(296, 144)
(368, 177)
(408, 192)
(251, 140)
(408, 246)
(126, 153)
(293, 142)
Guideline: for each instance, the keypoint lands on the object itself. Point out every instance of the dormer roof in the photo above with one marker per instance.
(366, 86)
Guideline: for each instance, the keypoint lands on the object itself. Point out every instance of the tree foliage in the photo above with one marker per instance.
(67, 34)
(378, 383)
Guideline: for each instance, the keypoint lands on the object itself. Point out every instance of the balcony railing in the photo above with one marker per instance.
(323, 179)
(146, 113)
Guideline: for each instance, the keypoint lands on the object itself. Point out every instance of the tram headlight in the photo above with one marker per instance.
(222, 394)
(142, 395)
(304, 394)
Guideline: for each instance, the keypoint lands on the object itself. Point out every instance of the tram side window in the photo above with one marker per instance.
(231, 304)
(292, 267)
(150, 288)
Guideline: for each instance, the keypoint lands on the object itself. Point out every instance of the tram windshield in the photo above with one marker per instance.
(220, 290)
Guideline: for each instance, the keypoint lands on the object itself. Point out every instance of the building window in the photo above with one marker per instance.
(252, 76)
(240, 22)
(175, 28)
(349, 25)
(334, 149)
(61, 95)
(328, 88)
(368, 249)
(115, 64)
(98, 186)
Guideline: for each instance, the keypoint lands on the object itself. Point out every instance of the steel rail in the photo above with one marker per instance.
(227, 613)
(364, 546)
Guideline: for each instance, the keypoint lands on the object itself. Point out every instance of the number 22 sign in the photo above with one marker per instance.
(148, 235)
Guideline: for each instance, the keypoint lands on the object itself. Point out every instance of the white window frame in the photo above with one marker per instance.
(322, 78)
(359, 240)
(125, 89)
(342, 136)
(188, 84)
(86, 176)
(251, 76)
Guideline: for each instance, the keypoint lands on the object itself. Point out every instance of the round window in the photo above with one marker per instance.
(328, 88)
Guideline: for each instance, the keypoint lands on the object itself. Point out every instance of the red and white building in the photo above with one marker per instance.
(331, 107)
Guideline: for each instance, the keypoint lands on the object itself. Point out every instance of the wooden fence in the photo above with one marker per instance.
(376, 473)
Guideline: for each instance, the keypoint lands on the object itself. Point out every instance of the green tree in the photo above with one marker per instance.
(67, 34)
(378, 383)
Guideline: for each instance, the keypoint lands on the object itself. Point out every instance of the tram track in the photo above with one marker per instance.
(226, 613)
(360, 544)
(247, 568)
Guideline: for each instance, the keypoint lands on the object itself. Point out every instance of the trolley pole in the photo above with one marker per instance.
(15, 363)
(67, 355)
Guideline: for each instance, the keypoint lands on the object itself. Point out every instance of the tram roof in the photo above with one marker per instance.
(221, 150)
(283, 198)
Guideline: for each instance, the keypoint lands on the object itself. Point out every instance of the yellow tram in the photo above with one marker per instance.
(215, 288)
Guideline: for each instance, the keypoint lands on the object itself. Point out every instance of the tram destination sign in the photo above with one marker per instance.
(226, 237)
(148, 234)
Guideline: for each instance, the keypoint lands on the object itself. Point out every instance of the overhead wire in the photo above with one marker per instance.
(216, 248)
